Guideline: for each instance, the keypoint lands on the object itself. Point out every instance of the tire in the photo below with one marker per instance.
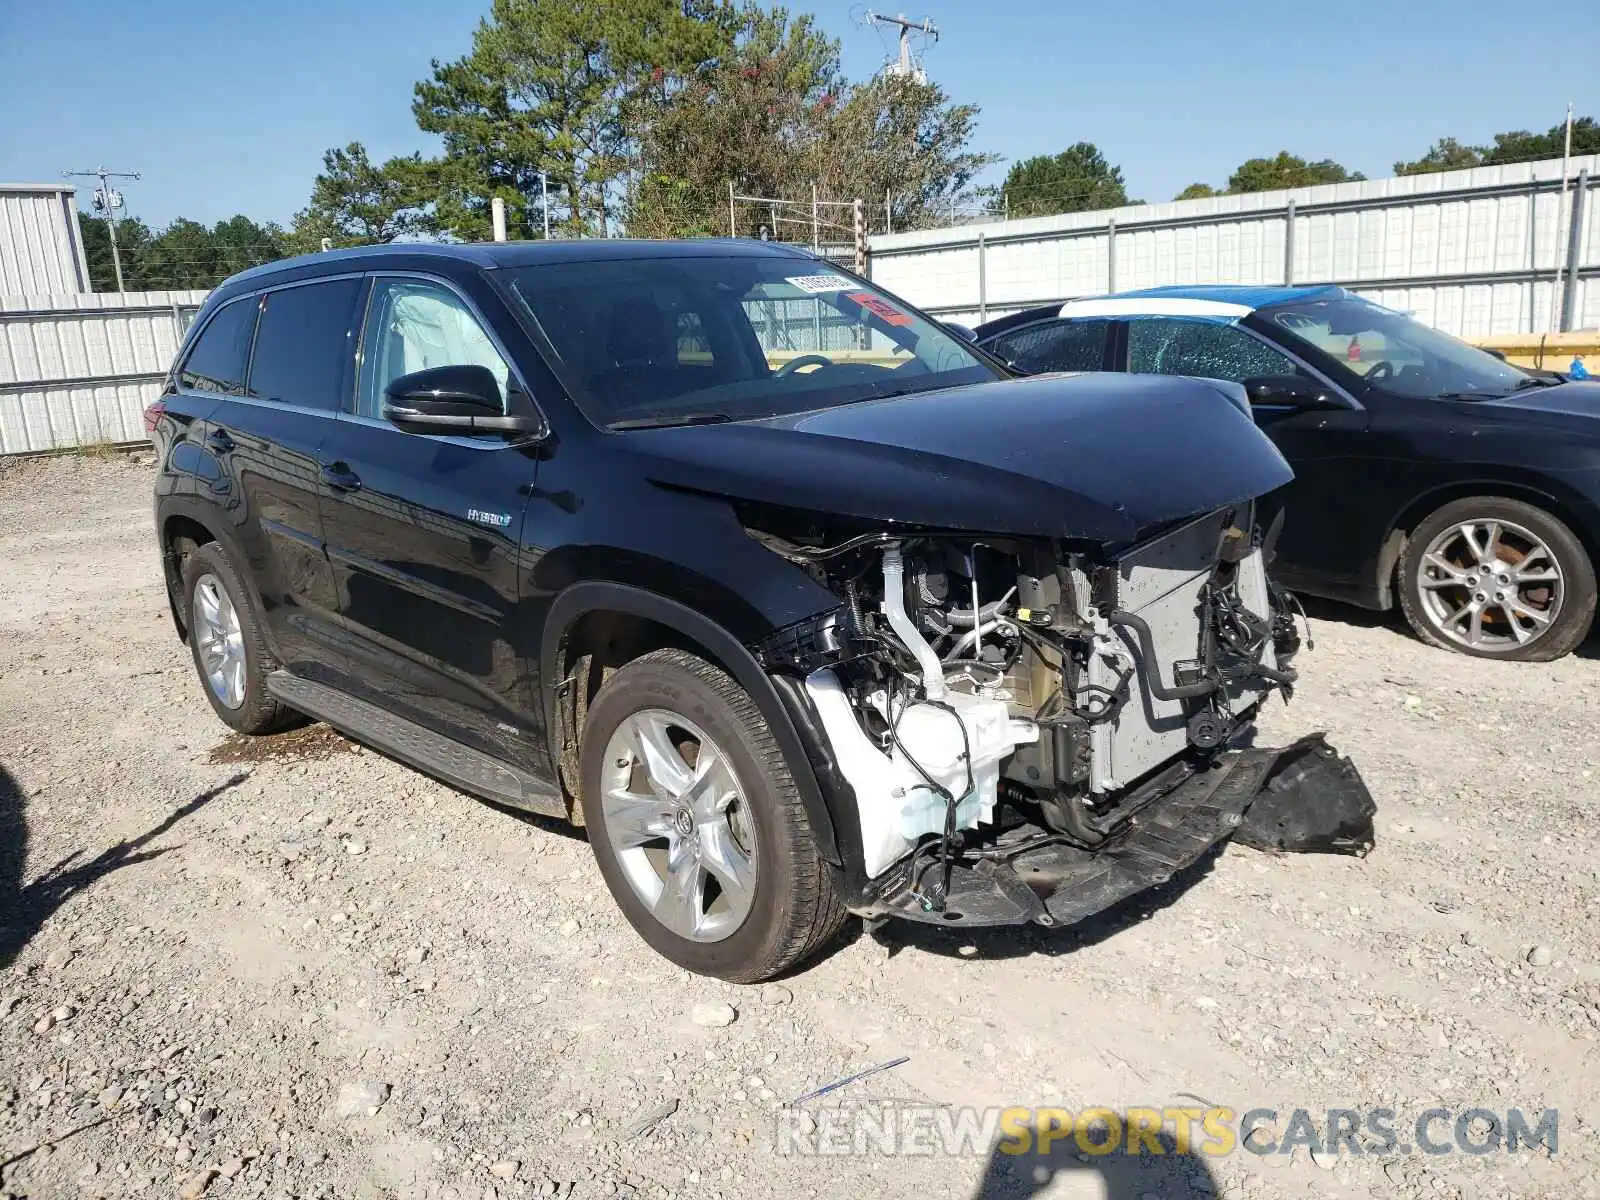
(1442, 572)
(787, 909)
(207, 570)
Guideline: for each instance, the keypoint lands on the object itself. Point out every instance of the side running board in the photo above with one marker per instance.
(461, 766)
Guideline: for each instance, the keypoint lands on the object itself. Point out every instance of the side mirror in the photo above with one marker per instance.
(454, 399)
(1288, 391)
(963, 332)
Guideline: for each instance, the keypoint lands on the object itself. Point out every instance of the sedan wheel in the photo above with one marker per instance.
(1490, 585)
(1497, 578)
(677, 817)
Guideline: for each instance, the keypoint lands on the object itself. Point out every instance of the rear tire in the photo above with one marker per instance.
(225, 639)
(766, 901)
(1497, 578)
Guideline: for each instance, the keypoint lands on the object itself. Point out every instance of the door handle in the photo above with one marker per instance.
(219, 441)
(341, 478)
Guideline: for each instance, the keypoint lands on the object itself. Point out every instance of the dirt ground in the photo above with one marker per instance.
(297, 969)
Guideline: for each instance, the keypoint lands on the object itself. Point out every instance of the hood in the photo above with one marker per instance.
(1575, 398)
(1097, 457)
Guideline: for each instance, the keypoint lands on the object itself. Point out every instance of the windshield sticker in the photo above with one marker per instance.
(881, 308)
(817, 284)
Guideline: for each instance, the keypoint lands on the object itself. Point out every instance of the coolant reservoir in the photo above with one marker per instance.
(894, 803)
(932, 736)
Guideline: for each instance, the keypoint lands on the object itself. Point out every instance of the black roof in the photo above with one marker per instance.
(1012, 320)
(493, 255)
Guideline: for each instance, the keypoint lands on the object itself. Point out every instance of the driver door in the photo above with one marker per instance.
(1322, 546)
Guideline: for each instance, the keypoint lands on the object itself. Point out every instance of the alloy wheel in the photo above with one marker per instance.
(677, 818)
(220, 641)
(1490, 585)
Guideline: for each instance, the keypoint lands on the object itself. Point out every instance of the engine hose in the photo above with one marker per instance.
(858, 621)
(1152, 665)
(961, 618)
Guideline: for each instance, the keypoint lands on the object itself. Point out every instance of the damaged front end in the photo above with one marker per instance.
(1033, 729)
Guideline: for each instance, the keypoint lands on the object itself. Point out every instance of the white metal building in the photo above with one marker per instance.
(41, 252)
(1475, 252)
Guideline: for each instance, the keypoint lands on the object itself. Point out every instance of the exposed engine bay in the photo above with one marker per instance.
(1015, 715)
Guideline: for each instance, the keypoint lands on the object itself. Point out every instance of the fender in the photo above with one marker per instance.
(202, 514)
(604, 596)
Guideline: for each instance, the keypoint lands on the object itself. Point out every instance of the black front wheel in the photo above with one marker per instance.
(696, 823)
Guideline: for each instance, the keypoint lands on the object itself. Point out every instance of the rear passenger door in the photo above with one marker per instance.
(423, 531)
(1056, 345)
(263, 440)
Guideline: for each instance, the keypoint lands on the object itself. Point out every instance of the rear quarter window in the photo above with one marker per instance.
(217, 360)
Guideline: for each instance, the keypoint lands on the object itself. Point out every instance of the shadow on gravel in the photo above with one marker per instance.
(1064, 1172)
(1017, 941)
(23, 910)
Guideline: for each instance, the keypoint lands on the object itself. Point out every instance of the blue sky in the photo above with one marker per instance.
(226, 106)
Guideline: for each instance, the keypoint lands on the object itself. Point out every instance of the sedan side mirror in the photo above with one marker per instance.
(1288, 391)
(456, 399)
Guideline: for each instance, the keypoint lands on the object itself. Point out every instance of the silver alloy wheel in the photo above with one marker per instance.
(1490, 585)
(220, 641)
(676, 816)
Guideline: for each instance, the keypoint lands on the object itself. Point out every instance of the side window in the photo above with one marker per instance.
(1209, 349)
(412, 326)
(1055, 346)
(217, 363)
(303, 344)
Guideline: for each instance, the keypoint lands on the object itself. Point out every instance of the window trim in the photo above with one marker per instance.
(514, 375)
(1107, 352)
(1125, 353)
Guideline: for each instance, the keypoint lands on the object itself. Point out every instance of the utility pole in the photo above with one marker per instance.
(1561, 213)
(544, 202)
(107, 201)
(907, 67)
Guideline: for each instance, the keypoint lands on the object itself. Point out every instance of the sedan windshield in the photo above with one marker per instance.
(670, 341)
(1393, 352)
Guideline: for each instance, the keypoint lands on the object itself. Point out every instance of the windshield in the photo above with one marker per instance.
(660, 341)
(1394, 352)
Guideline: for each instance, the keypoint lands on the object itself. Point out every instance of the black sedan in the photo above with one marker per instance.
(1428, 473)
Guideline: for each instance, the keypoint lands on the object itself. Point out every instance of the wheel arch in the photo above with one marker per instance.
(610, 623)
(1562, 507)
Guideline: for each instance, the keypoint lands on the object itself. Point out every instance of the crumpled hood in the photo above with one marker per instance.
(1100, 457)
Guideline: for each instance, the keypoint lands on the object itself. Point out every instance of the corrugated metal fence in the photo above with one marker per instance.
(1475, 253)
(78, 369)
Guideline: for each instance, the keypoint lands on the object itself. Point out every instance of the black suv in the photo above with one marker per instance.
(795, 600)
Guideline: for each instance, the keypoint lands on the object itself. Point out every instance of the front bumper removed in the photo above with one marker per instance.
(1302, 798)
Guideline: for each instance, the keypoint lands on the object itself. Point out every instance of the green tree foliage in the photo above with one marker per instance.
(1079, 179)
(1196, 191)
(1447, 154)
(775, 116)
(554, 86)
(1286, 171)
(184, 255)
(357, 203)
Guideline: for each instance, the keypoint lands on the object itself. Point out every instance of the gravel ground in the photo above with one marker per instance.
(292, 968)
